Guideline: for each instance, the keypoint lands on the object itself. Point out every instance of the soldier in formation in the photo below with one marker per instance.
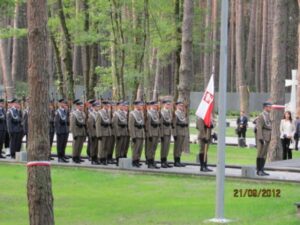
(3, 127)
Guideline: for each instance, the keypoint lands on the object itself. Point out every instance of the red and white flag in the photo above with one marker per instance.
(206, 105)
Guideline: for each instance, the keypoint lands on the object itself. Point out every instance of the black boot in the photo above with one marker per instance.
(201, 160)
(62, 160)
(259, 167)
(177, 162)
(76, 159)
(290, 154)
(206, 168)
(152, 164)
(263, 161)
(181, 164)
(163, 163)
(94, 161)
(135, 163)
(117, 161)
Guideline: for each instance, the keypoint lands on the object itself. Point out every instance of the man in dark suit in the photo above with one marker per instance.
(3, 127)
(242, 123)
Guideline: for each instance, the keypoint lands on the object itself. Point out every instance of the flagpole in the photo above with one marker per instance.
(220, 176)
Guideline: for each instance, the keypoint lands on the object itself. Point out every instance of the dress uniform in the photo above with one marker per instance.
(51, 124)
(91, 127)
(204, 138)
(111, 145)
(25, 123)
(137, 133)
(152, 129)
(180, 126)
(242, 124)
(103, 131)
(166, 132)
(78, 129)
(264, 128)
(14, 126)
(3, 128)
(61, 124)
(89, 108)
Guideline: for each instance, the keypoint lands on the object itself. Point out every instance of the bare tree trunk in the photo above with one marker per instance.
(250, 46)
(279, 65)
(19, 55)
(298, 72)
(157, 80)
(39, 191)
(269, 44)
(77, 59)
(67, 59)
(186, 64)
(207, 67)
(258, 44)
(243, 87)
(263, 75)
(93, 75)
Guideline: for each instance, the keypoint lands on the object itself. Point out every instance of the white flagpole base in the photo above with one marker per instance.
(219, 220)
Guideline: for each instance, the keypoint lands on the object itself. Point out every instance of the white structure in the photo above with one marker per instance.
(291, 106)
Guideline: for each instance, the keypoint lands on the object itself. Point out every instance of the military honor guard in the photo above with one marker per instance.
(3, 127)
(103, 131)
(92, 134)
(137, 132)
(165, 132)
(14, 127)
(242, 124)
(180, 126)
(152, 129)
(61, 124)
(204, 137)
(87, 110)
(78, 129)
(120, 127)
(263, 132)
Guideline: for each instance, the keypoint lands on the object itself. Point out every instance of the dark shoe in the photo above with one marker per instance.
(176, 162)
(163, 163)
(206, 168)
(80, 159)
(152, 164)
(181, 164)
(2, 157)
(260, 173)
(95, 162)
(76, 160)
(201, 160)
(135, 163)
(263, 161)
(62, 160)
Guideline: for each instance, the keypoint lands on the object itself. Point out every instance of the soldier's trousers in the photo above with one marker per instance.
(121, 143)
(15, 143)
(126, 146)
(51, 138)
(88, 148)
(151, 148)
(202, 148)
(77, 145)
(2, 139)
(262, 149)
(7, 140)
(62, 140)
(178, 146)
(103, 146)
(165, 146)
(137, 148)
(93, 146)
(111, 146)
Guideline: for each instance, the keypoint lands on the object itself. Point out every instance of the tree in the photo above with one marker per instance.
(39, 191)
(207, 67)
(186, 62)
(263, 58)
(243, 87)
(279, 67)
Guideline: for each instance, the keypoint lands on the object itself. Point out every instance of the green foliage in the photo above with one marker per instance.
(21, 89)
(105, 80)
(12, 32)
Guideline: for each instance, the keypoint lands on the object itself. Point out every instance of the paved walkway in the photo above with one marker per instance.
(275, 175)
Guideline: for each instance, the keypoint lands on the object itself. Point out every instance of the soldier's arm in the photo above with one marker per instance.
(98, 125)
(259, 127)
(116, 127)
(131, 126)
(73, 125)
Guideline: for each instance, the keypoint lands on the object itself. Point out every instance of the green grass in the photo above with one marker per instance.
(234, 155)
(90, 197)
(230, 132)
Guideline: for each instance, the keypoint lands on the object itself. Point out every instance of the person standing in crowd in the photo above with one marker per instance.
(51, 126)
(3, 127)
(152, 129)
(91, 127)
(61, 124)
(204, 138)
(14, 126)
(25, 120)
(180, 126)
(287, 130)
(120, 127)
(297, 132)
(166, 132)
(242, 124)
(103, 131)
(111, 145)
(87, 110)
(137, 133)
(263, 129)
(78, 129)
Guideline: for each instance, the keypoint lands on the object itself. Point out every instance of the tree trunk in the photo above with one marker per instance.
(186, 64)
(19, 55)
(269, 44)
(279, 66)
(93, 75)
(77, 59)
(67, 59)
(243, 87)
(298, 72)
(85, 50)
(263, 58)
(39, 191)
(258, 44)
(232, 47)
(157, 80)
(250, 46)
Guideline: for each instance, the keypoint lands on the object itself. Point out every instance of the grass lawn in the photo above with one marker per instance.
(90, 197)
(234, 155)
(230, 132)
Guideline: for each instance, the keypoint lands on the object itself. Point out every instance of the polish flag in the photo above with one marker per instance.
(206, 105)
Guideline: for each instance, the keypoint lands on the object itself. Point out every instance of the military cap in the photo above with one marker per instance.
(62, 101)
(91, 101)
(265, 104)
(138, 103)
(95, 103)
(124, 103)
(179, 103)
(104, 102)
(77, 102)
(166, 101)
(152, 103)
(12, 100)
(1, 100)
